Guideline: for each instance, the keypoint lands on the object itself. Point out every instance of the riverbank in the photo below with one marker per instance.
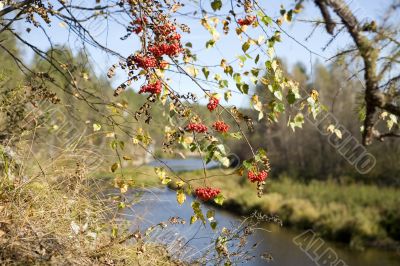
(355, 214)
(358, 215)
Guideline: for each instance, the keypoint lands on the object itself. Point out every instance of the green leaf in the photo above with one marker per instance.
(237, 78)
(278, 94)
(246, 46)
(219, 199)
(213, 225)
(228, 70)
(210, 215)
(206, 72)
(257, 59)
(298, 121)
(248, 165)
(289, 15)
(242, 58)
(255, 72)
(291, 97)
(223, 83)
(121, 205)
(279, 107)
(261, 152)
(216, 5)
(243, 88)
(122, 145)
(227, 95)
(193, 146)
(197, 211)
(210, 44)
(209, 156)
(114, 144)
(264, 18)
(236, 135)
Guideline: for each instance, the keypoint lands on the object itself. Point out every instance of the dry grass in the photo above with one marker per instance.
(62, 219)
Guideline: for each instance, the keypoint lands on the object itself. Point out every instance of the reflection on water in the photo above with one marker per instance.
(158, 205)
(189, 164)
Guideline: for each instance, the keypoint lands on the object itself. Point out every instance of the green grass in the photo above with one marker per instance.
(356, 214)
(140, 176)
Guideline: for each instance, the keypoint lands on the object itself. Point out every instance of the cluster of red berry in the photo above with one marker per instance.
(153, 88)
(137, 25)
(165, 29)
(248, 20)
(165, 49)
(166, 42)
(257, 177)
(221, 126)
(212, 104)
(207, 193)
(196, 127)
(145, 62)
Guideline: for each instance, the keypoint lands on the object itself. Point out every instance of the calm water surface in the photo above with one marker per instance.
(158, 205)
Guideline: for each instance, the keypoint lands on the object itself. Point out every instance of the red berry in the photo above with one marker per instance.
(212, 104)
(153, 88)
(257, 177)
(248, 20)
(165, 29)
(207, 193)
(194, 127)
(165, 49)
(221, 126)
(145, 61)
(166, 42)
(137, 25)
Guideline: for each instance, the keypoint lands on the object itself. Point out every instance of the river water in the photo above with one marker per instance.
(188, 241)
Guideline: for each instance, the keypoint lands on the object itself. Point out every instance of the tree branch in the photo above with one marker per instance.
(11, 8)
(369, 55)
(329, 23)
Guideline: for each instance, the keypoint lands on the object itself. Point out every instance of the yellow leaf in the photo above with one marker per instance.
(176, 7)
(192, 71)
(180, 183)
(124, 188)
(314, 94)
(180, 196)
(338, 133)
(96, 127)
(330, 128)
(193, 219)
(85, 76)
(110, 135)
(114, 167)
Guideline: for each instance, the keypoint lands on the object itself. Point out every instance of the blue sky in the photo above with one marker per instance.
(108, 33)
